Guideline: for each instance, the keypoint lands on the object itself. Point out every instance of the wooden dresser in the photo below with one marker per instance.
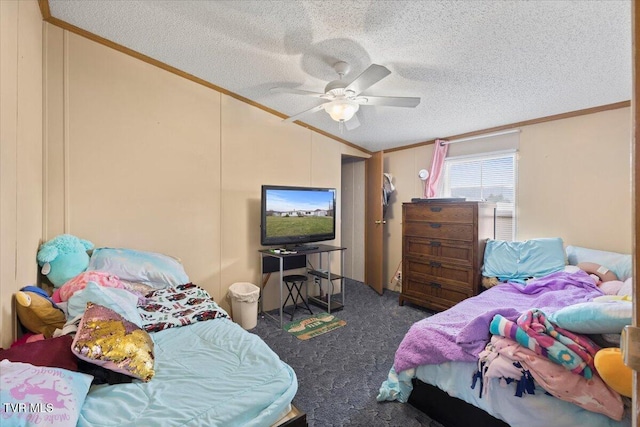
(442, 250)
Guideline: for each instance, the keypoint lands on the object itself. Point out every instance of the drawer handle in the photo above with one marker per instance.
(435, 225)
(435, 285)
(435, 264)
(436, 209)
(435, 244)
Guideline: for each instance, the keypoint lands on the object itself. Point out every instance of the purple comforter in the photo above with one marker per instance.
(461, 333)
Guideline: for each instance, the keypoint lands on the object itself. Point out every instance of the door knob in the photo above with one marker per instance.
(381, 222)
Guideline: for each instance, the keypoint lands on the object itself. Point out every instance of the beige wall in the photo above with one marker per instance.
(353, 207)
(404, 165)
(20, 152)
(146, 159)
(574, 181)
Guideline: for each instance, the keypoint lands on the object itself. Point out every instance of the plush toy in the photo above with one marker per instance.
(63, 258)
(37, 312)
(489, 282)
(613, 371)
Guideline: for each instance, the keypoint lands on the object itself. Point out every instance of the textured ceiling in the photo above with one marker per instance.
(474, 64)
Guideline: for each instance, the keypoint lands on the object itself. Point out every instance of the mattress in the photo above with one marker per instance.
(210, 373)
(535, 410)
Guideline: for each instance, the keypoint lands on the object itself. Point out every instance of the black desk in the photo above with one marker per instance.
(272, 261)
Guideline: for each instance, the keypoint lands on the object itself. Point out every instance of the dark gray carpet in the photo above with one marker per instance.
(340, 372)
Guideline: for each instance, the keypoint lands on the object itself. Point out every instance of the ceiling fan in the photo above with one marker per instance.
(342, 99)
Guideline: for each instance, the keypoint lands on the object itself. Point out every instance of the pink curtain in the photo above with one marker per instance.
(439, 154)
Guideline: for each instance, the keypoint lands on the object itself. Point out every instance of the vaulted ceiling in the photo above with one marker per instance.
(474, 64)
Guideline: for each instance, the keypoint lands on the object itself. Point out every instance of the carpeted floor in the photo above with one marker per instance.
(340, 372)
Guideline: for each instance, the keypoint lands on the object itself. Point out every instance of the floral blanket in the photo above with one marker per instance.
(178, 306)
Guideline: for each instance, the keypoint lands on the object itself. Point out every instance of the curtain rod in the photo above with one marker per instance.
(488, 135)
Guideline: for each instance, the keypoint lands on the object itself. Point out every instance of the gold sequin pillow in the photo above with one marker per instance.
(107, 339)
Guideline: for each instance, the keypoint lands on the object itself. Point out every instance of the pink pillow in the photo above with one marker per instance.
(106, 339)
(80, 282)
(611, 287)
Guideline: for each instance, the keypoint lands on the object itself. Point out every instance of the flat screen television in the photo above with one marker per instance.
(294, 216)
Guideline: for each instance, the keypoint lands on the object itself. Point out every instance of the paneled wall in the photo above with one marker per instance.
(573, 181)
(146, 159)
(20, 152)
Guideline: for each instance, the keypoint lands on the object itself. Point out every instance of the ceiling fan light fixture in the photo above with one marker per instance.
(342, 110)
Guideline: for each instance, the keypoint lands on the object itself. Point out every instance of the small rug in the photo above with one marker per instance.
(313, 326)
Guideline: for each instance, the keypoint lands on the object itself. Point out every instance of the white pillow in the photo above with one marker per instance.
(627, 288)
(150, 268)
(618, 263)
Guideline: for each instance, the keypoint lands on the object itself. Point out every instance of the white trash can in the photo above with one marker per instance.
(244, 304)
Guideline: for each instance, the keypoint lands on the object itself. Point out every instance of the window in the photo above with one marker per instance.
(489, 177)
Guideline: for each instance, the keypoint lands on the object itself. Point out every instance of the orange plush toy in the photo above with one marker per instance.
(613, 371)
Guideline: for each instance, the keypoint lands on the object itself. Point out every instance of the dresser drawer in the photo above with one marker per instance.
(446, 250)
(435, 292)
(439, 213)
(461, 274)
(439, 230)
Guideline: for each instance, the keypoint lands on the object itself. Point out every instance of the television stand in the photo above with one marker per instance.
(274, 260)
(302, 248)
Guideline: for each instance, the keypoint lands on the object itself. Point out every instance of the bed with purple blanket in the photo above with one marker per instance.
(460, 352)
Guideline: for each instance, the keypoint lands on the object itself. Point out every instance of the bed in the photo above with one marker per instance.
(175, 359)
(445, 363)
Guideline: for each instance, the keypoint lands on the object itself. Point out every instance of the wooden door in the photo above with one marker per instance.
(373, 227)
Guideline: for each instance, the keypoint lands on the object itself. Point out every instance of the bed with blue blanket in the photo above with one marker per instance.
(144, 350)
(210, 373)
(500, 359)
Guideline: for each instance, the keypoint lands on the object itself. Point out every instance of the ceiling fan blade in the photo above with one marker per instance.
(391, 101)
(368, 78)
(353, 123)
(296, 91)
(310, 110)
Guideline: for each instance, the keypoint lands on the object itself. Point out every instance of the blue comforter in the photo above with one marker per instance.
(210, 373)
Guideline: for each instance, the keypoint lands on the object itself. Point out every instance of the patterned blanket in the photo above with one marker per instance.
(178, 306)
(461, 333)
(533, 331)
(508, 361)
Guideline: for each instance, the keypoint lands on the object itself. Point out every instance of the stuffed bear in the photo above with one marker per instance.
(37, 312)
(63, 258)
(489, 282)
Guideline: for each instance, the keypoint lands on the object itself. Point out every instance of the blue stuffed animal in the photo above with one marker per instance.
(63, 258)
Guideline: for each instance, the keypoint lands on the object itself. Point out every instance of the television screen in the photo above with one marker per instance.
(297, 215)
